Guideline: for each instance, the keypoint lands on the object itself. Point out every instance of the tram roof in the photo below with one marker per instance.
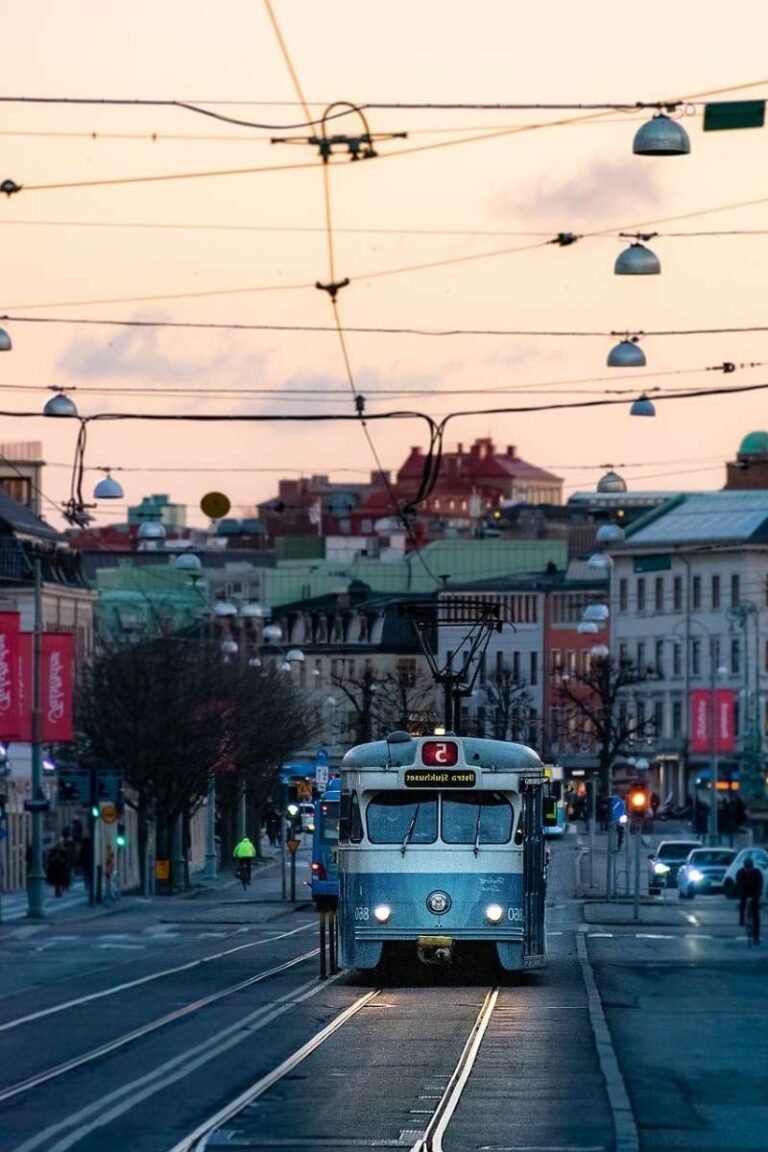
(491, 755)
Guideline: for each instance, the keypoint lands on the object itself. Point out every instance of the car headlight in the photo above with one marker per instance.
(695, 875)
(382, 913)
(494, 913)
(660, 869)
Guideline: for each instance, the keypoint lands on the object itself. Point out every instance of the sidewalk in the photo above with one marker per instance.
(209, 896)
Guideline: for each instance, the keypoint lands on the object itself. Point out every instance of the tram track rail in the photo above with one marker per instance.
(152, 1026)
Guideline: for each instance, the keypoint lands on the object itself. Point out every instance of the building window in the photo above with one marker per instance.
(735, 589)
(554, 661)
(677, 718)
(735, 656)
(623, 654)
(641, 656)
(570, 662)
(715, 593)
(677, 660)
(659, 663)
(641, 594)
(658, 718)
(534, 677)
(624, 595)
(696, 592)
(658, 594)
(677, 593)
(696, 657)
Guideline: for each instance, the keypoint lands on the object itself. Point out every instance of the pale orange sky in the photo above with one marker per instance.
(65, 250)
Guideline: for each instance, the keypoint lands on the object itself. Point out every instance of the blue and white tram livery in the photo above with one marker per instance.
(441, 849)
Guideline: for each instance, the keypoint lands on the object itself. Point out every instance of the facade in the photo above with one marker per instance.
(689, 602)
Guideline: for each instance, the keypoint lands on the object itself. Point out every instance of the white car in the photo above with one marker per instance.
(759, 857)
(703, 871)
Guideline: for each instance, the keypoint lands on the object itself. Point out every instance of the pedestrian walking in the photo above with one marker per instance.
(58, 867)
(272, 825)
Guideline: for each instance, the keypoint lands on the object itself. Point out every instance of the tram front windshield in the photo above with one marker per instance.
(393, 816)
(476, 818)
(466, 818)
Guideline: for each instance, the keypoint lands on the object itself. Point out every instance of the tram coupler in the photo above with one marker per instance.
(434, 950)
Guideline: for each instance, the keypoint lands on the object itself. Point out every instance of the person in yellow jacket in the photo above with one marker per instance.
(243, 855)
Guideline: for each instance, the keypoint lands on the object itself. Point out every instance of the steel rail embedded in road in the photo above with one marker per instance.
(153, 1026)
(432, 1139)
(197, 1140)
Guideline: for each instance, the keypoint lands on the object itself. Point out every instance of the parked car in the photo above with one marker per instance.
(703, 871)
(665, 862)
(758, 856)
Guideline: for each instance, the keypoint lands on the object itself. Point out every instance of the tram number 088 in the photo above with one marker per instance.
(515, 914)
(361, 913)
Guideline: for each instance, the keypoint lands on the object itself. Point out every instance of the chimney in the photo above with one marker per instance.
(511, 450)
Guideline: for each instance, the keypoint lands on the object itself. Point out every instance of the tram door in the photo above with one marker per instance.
(534, 887)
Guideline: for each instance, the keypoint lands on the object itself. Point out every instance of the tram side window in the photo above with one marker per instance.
(355, 821)
(393, 816)
(329, 822)
(477, 817)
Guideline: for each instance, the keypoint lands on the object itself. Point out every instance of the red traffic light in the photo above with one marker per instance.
(638, 799)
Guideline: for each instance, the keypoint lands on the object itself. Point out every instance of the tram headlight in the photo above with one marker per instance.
(382, 913)
(494, 913)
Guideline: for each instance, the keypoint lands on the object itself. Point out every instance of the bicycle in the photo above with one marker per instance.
(243, 872)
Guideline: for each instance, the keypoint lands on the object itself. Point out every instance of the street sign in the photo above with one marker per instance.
(618, 808)
(293, 846)
(108, 813)
(321, 756)
(321, 775)
(41, 805)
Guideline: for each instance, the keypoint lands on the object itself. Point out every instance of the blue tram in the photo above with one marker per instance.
(441, 850)
(325, 840)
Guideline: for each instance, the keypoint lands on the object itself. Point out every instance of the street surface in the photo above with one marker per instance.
(150, 1024)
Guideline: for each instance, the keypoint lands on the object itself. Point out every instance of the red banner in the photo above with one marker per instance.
(10, 704)
(56, 702)
(707, 706)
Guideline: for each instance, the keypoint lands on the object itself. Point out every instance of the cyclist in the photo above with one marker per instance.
(749, 889)
(244, 854)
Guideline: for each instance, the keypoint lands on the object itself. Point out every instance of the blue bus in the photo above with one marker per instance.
(441, 851)
(325, 840)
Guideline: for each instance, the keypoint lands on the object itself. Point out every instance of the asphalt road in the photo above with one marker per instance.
(128, 1031)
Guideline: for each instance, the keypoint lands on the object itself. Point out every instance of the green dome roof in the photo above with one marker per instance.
(754, 444)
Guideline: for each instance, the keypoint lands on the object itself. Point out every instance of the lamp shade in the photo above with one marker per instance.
(59, 405)
(610, 534)
(229, 647)
(599, 560)
(150, 530)
(273, 633)
(599, 652)
(642, 407)
(626, 354)
(5, 341)
(637, 260)
(188, 562)
(598, 613)
(108, 489)
(587, 628)
(661, 136)
(295, 656)
(224, 608)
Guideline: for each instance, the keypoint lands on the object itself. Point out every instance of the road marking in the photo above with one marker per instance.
(115, 988)
(600, 935)
(653, 936)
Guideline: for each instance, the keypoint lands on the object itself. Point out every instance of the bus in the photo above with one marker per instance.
(325, 841)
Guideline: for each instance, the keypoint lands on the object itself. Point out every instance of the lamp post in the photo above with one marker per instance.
(751, 767)
(36, 877)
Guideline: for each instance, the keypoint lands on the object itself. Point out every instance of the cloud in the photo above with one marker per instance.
(150, 355)
(603, 189)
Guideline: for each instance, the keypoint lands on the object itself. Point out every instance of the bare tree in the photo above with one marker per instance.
(510, 703)
(595, 703)
(384, 701)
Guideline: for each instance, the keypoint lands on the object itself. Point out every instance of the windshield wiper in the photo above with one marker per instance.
(477, 829)
(411, 827)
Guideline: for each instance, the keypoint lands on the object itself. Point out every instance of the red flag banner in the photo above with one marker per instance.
(56, 702)
(10, 704)
(724, 717)
(703, 704)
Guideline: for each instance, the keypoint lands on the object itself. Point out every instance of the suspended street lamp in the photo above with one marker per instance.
(626, 354)
(610, 534)
(108, 488)
(596, 613)
(661, 136)
(59, 405)
(637, 260)
(642, 407)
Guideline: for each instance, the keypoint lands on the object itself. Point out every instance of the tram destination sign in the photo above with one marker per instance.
(440, 778)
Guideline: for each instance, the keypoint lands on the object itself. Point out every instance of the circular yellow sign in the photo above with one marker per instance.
(215, 505)
(108, 813)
